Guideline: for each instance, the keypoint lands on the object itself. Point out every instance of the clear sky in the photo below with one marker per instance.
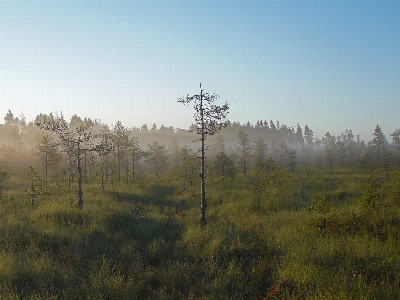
(333, 65)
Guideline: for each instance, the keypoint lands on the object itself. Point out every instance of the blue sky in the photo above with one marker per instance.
(333, 65)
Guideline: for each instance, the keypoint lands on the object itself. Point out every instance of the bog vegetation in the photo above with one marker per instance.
(89, 211)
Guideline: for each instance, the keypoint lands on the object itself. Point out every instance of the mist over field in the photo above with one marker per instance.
(199, 149)
(90, 210)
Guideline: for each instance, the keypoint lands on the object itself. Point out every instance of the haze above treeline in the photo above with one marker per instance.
(238, 146)
(154, 127)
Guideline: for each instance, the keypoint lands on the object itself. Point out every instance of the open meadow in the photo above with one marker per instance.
(320, 234)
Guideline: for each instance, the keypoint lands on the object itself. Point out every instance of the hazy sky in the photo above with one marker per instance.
(333, 65)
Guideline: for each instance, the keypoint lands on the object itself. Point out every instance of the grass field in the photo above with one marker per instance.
(144, 241)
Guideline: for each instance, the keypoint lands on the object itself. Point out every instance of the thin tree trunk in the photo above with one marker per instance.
(85, 171)
(46, 165)
(127, 169)
(244, 163)
(203, 219)
(69, 168)
(106, 167)
(133, 168)
(102, 177)
(156, 166)
(80, 192)
(119, 163)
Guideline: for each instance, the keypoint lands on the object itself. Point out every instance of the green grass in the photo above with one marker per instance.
(144, 241)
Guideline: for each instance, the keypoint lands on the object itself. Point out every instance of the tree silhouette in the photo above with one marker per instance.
(103, 149)
(47, 148)
(244, 148)
(260, 152)
(39, 187)
(379, 142)
(396, 144)
(135, 153)
(189, 165)
(78, 136)
(121, 141)
(308, 136)
(157, 155)
(210, 119)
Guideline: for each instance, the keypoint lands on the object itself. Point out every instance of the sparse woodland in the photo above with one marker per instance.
(96, 211)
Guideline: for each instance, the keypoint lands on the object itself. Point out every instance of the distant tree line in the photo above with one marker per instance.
(118, 153)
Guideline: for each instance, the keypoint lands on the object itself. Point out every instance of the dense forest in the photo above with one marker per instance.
(96, 211)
